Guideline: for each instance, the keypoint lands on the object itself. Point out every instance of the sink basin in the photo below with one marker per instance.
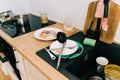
(80, 68)
(84, 66)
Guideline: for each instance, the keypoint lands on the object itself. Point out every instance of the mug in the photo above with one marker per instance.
(101, 62)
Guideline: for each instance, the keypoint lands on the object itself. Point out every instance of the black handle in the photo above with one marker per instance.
(106, 7)
(3, 59)
(7, 50)
(98, 24)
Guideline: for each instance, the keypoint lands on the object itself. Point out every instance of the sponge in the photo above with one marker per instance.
(89, 41)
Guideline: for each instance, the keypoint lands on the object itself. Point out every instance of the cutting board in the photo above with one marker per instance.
(113, 21)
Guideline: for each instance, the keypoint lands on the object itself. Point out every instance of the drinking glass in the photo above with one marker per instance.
(44, 17)
(68, 24)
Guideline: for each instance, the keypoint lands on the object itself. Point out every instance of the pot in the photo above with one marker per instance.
(9, 27)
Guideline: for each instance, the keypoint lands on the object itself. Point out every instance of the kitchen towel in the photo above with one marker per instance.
(102, 12)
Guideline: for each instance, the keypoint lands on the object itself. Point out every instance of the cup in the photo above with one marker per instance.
(44, 17)
(68, 24)
(101, 62)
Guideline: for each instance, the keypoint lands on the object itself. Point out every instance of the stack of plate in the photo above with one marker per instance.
(46, 34)
(71, 50)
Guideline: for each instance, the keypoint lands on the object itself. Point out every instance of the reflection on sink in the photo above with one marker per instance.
(83, 66)
(83, 70)
(79, 68)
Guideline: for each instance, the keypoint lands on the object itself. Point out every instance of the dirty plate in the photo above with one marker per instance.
(66, 51)
(46, 33)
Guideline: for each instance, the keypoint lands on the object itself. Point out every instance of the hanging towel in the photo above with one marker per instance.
(100, 9)
(102, 12)
(104, 24)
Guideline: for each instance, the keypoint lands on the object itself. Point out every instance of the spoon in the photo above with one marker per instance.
(51, 55)
(61, 37)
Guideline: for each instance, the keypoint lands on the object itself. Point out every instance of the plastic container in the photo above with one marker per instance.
(112, 72)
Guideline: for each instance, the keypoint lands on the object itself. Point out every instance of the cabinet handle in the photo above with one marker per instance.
(17, 61)
(4, 59)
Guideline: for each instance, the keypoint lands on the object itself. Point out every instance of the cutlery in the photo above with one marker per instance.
(51, 55)
(50, 33)
(70, 47)
(61, 37)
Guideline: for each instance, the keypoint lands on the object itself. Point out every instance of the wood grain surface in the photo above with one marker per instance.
(113, 21)
(27, 46)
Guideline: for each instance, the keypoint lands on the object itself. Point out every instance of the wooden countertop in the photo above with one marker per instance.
(27, 45)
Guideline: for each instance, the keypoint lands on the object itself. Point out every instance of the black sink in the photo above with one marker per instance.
(84, 69)
(85, 66)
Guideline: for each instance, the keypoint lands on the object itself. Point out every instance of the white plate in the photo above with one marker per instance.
(66, 51)
(46, 33)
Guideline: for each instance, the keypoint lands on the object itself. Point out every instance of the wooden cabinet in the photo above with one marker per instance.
(32, 72)
(27, 70)
(20, 65)
(7, 69)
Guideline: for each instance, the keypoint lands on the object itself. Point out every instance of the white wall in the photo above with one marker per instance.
(59, 9)
(56, 9)
(117, 37)
(17, 6)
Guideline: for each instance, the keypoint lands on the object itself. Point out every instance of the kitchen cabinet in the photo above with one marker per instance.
(20, 65)
(7, 69)
(8, 52)
(32, 73)
(27, 70)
